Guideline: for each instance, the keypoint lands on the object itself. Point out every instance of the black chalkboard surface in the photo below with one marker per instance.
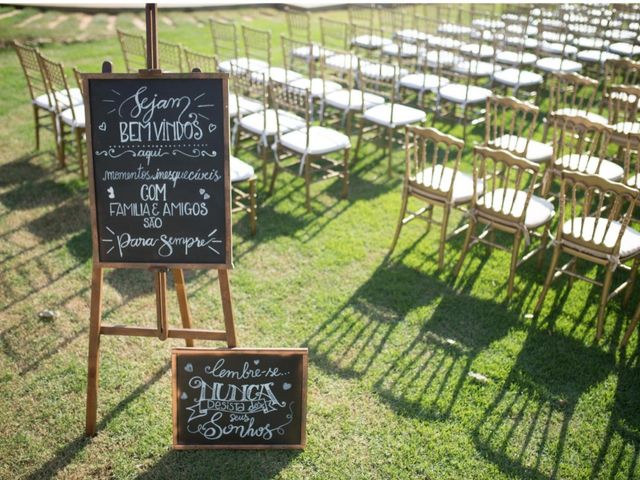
(239, 398)
(159, 169)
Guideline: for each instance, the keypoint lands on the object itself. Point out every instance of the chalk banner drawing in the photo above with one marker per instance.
(239, 398)
(159, 164)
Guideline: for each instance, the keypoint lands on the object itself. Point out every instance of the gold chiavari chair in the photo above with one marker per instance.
(307, 150)
(257, 45)
(432, 176)
(593, 225)
(69, 115)
(506, 203)
(225, 48)
(243, 200)
(203, 62)
(618, 72)
(134, 51)
(510, 124)
(170, 55)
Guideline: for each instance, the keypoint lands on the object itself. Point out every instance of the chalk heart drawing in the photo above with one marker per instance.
(256, 362)
(184, 396)
(188, 368)
(212, 127)
(206, 196)
(103, 127)
(112, 195)
(201, 191)
(286, 386)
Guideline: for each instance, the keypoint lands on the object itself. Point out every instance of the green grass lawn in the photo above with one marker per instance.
(394, 345)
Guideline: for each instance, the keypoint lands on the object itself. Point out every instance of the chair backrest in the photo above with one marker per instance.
(501, 175)
(365, 40)
(257, 43)
(391, 17)
(507, 118)
(621, 71)
(334, 34)
(576, 138)
(225, 39)
(379, 78)
(57, 85)
(134, 51)
(206, 63)
(624, 104)
(246, 83)
(28, 57)
(288, 99)
(572, 91)
(631, 160)
(170, 56)
(298, 24)
(78, 76)
(428, 152)
(553, 39)
(361, 15)
(298, 56)
(594, 212)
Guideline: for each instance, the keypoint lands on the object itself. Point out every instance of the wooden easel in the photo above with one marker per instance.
(162, 330)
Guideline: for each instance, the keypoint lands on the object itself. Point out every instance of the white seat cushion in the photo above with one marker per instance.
(423, 82)
(536, 151)
(239, 171)
(322, 140)
(343, 61)
(594, 231)
(312, 51)
(625, 49)
(444, 58)
(43, 100)
(557, 48)
(476, 68)
(634, 181)
(353, 100)
(255, 123)
(627, 127)
(596, 56)
(77, 122)
(440, 178)
(457, 93)
(247, 105)
(410, 35)
(277, 74)
(402, 115)
(557, 64)
(590, 42)
(242, 63)
(381, 70)
(513, 77)
(511, 202)
(620, 35)
(516, 58)
(588, 164)
(404, 50)
(574, 112)
(528, 42)
(452, 28)
(370, 41)
(443, 42)
(488, 23)
(477, 50)
(316, 86)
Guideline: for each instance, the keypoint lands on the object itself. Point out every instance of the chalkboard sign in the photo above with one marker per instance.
(239, 398)
(159, 169)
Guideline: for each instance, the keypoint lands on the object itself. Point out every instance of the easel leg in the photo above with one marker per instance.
(227, 309)
(161, 303)
(94, 350)
(185, 314)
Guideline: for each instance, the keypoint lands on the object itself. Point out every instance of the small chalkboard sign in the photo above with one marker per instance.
(159, 169)
(239, 398)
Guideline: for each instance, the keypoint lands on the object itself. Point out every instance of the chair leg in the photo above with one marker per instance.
(632, 326)
(37, 124)
(57, 129)
(464, 122)
(253, 216)
(345, 173)
(446, 211)
(403, 210)
(548, 280)
(514, 261)
(265, 162)
(276, 170)
(79, 152)
(465, 247)
(606, 286)
(543, 245)
(307, 183)
(545, 132)
(63, 145)
(390, 153)
(358, 142)
(631, 282)
(572, 269)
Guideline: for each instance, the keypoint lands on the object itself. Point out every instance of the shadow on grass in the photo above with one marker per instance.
(65, 455)
(525, 429)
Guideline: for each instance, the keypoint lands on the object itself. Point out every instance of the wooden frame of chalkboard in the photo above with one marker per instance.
(284, 384)
(97, 260)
